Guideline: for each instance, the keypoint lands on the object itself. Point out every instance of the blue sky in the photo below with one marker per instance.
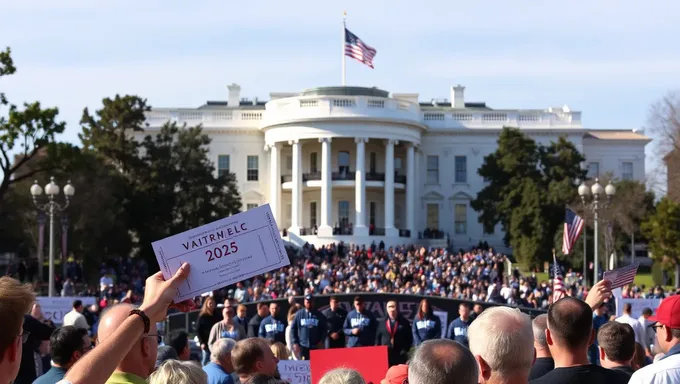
(609, 59)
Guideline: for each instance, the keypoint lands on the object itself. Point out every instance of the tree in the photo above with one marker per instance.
(24, 132)
(663, 123)
(528, 186)
(662, 229)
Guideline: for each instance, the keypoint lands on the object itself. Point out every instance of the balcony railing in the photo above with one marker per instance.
(346, 231)
(345, 175)
(401, 179)
(404, 233)
(374, 176)
(377, 232)
(311, 176)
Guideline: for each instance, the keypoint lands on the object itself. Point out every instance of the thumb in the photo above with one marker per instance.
(181, 275)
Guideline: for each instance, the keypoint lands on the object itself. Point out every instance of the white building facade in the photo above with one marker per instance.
(360, 165)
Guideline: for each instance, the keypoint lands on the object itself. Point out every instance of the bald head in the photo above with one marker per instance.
(442, 361)
(111, 319)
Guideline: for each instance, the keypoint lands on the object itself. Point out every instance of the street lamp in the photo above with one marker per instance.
(51, 208)
(598, 194)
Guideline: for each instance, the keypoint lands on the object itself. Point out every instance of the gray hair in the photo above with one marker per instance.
(221, 349)
(342, 376)
(503, 337)
(540, 324)
(179, 372)
(442, 361)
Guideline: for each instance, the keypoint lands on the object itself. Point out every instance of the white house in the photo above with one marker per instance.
(360, 165)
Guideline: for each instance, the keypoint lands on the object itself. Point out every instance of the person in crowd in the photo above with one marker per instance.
(570, 333)
(37, 312)
(502, 342)
(165, 352)
(256, 321)
(179, 341)
(293, 303)
(342, 376)
(634, 323)
(32, 364)
(206, 319)
(442, 361)
(649, 338)
(76, 317)
(251, 356)
(279, 350)
(273, 327)
(640, 358)
(397, 374)
(16, 299)
(458, 329)
(67, 345)
(261, 378)
(360, 325)
(600, 317)
(667, 327)
(227, 327)
(426, 325)
(220, 370)
(544, 362)
(309, 329)
(616, 342)
(335, 319)
(394, 331)
(178, 372)
(477, 310)
(241, 316)
(289, 333)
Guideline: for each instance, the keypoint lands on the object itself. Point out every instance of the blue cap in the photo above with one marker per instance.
(309, 296)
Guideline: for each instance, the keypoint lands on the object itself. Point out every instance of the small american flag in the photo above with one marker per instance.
(356, 49)
(622, 276)
(573, 225)
(558, 281)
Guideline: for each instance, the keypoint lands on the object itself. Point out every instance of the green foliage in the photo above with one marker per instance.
(528, 186)
(662, 229)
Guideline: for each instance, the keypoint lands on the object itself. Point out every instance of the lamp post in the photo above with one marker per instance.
(598, 194)
(51, 208)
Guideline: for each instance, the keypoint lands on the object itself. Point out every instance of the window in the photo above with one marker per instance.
(461, 219)
(222, 165)
(593, 170)
(627, 170)
(312, 214)
(313, 167)
(433, 216)
(461, 169)
(289, 163)
(343, 162)
(433, 169)
(250, 206)
(253, 172)
(343, 213)
(372, 162)
(372, 208)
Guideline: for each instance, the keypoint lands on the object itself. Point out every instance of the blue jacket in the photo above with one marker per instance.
(426, 329)
(458, 331)
(309, 328)
(367, 324)
(273, 329)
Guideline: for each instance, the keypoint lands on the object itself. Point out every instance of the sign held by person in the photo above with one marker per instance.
(295, 371)
(55, 308)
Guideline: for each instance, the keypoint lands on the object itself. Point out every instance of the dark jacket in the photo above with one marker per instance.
(203, 326)
(39, 332)
(334, 322)
(367, 325)
(427, 328)
(254, 325)
(458, 331)
(397, 353)
(273, 329)
(309, 328)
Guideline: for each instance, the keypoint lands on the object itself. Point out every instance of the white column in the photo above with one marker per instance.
(296, 214)
(275, 180)
(325, 229)
(410, 188)
(360, 228)
(389, 189)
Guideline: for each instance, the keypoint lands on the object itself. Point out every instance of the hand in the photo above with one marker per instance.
(598, 293)
(355, 331)
(204, 347)
(296, 349)
(334, 335)
(159, 294)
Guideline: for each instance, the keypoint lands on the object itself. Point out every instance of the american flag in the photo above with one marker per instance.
(622, 276)
(558, 281)
(573, 225)
(356, 49)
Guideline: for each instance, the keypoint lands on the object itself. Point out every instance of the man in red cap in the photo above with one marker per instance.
(667, 328)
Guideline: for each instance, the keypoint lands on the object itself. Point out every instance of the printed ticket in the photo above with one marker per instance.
(223, 252)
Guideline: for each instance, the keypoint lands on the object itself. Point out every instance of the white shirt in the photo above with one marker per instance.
(76, 319)
(650, 336)
(637, 327)
(665, 371)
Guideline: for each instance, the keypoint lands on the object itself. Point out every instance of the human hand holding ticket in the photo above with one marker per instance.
(223, 252)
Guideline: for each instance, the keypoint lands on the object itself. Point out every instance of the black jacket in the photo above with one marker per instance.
(39, 332)
(254, 325)
(335, 321)
(403, 340)
(203, 326)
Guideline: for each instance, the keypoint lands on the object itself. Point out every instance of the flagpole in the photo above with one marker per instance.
(344, 73)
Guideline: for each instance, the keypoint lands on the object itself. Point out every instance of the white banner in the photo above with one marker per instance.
(295, 371)
(54, 308)
(637, 305)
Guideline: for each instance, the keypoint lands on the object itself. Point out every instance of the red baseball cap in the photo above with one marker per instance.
(397, 374)
(668, 312)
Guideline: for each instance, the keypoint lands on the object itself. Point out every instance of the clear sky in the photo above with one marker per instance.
(609, 59)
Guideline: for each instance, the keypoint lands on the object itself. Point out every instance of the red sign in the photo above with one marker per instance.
(371, 362)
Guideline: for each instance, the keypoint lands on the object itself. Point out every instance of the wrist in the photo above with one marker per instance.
(154, 313)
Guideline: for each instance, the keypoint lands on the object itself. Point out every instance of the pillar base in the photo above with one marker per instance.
(361, 230)
(294, 230)
(325, 231)
(391, 232)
